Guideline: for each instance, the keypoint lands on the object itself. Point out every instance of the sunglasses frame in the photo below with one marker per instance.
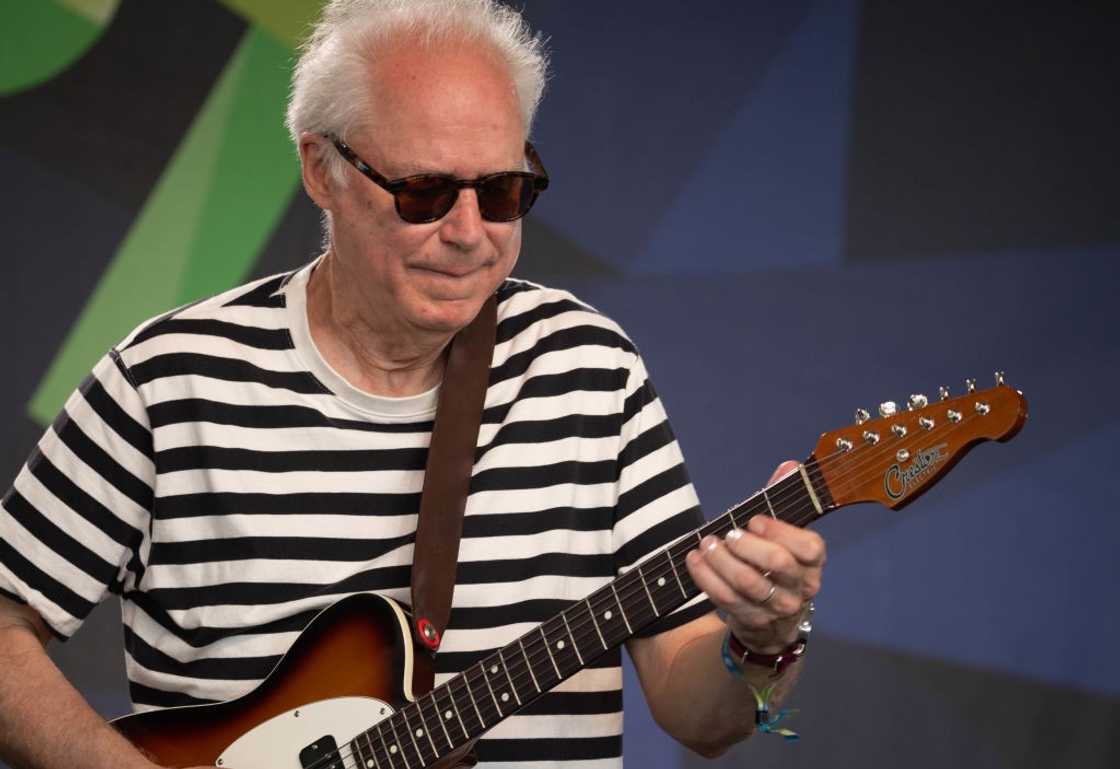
(538, 176)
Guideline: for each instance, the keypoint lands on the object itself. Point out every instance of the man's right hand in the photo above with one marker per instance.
(44, 722)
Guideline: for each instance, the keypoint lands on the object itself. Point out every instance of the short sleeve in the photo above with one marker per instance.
(656, 501)
(74, 526)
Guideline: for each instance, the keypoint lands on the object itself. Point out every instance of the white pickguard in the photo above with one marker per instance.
(276, 743)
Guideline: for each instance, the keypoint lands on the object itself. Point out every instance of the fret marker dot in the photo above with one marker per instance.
(392, 748)
(505, 696)
(419, 732)
(608, 615)
(661, 582)
(447, 715)
(494, 670)
(559, 644)
(369, 763)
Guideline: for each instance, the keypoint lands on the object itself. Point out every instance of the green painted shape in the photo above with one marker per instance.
(253, 176)
(286, 20)
(39, 39)
(206, 221)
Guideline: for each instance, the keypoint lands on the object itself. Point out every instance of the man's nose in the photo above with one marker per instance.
(463, 224)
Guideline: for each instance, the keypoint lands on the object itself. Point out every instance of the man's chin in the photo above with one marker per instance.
(449, 314)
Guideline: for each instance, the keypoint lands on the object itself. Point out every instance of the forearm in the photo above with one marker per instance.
(44, 722)
(702, 704)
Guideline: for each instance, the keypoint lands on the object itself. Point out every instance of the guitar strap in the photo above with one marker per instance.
(448, 474)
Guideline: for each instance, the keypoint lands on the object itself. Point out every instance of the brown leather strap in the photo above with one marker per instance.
(448, 474)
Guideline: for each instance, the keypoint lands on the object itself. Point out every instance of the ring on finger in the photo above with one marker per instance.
(769, 595)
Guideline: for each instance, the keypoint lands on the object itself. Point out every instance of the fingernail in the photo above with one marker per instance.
(733, 535)
(757, 524)
(708, 543)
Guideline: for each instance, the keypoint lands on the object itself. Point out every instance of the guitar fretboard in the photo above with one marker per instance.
(505, 681)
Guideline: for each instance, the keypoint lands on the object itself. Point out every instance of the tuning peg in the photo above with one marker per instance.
(888, 409)
(970, 385)
(943, 392)
(917, 401)
(999, 378)
(862, 415)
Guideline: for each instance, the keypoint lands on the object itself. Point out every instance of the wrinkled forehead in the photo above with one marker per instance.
(444, 105)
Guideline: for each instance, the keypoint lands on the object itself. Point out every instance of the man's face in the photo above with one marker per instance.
(443, 111)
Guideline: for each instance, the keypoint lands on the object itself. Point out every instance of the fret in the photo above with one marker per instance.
(769, 506)
(372, 750)
(427, 729)
(595, 621)
(454, 709)
(548, 648)
(391, 750)
(676, 574)
(495, 679)
(642, 578)
(529, 664)
(490, 688)
(565, 657)
(575, 646)
(411, 738)
(473, 701)
(355, 747)
(663, 593)
(509, 677)
(435, 711)
(620, 611)
(606, 617)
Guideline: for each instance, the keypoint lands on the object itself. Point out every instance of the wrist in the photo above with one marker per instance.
(776, 657)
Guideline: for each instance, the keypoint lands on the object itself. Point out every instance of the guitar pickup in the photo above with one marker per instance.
(317, 751)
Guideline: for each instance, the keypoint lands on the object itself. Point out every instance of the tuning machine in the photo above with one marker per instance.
(999, 379)
(888, 409)
(917, 401)
(970, 385)
(862, 415)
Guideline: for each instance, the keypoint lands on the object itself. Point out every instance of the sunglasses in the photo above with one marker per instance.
(423, 198)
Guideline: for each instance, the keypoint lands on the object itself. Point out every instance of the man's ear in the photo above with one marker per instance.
(320, 186)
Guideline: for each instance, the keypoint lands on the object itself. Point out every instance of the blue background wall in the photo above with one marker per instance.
(795, 209)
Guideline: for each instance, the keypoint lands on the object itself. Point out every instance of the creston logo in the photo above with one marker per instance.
(900, 480)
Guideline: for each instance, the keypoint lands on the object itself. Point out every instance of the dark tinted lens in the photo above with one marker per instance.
(506, 197)
(425, 198)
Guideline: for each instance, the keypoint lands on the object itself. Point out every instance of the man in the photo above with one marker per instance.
(237, 465)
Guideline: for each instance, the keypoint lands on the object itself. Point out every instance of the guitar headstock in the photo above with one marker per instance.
(893, 458)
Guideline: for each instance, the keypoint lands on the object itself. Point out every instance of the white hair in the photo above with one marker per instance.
(329, 88)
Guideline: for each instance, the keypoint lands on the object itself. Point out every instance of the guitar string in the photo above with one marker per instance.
(497, 714)
(630, 591)
(518, 682)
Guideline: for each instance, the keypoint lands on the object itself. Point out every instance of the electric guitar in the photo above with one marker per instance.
(342, 697)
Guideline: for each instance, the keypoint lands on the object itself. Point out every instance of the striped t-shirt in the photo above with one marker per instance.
(220, 477)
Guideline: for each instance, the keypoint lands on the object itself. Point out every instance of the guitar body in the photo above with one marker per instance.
(351, 667)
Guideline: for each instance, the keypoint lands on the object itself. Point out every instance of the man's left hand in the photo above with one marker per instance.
(761, 577)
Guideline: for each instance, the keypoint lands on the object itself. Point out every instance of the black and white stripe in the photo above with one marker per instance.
(212, 473)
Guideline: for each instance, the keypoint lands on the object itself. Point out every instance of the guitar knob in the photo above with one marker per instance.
(999, 378)
(862, 415)
(970, 385)
(918, 401)
(943, 391)
(888, 409)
